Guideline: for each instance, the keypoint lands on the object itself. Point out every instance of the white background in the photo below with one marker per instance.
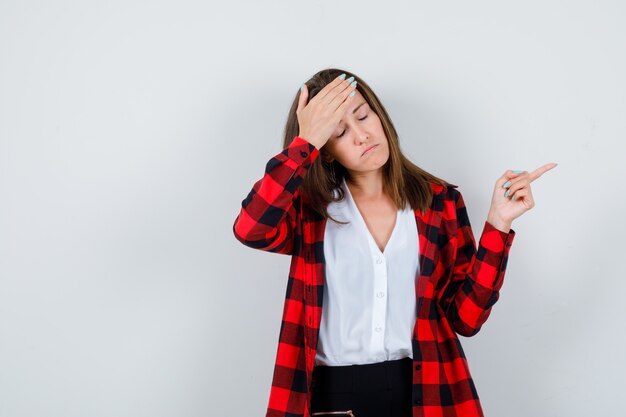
(131, 131)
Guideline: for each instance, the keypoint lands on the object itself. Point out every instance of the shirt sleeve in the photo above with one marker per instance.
(267, 218)
(478, 274)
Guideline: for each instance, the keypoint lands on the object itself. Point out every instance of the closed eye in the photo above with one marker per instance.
(345, 131)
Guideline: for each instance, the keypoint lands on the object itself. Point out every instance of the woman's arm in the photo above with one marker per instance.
(478, 274)
(267, 219)
(268, 215)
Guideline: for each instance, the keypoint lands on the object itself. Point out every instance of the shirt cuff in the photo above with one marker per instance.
(495, 239)
(300, 149)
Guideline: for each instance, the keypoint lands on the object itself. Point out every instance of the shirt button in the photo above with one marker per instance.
(417, 401)
(378, 328)
(379, 260)
(303, 154)
(418, 366)
(380, 294)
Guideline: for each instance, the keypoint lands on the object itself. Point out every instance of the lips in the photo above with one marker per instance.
(368, 149)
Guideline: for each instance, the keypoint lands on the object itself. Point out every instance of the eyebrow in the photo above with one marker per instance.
(357, 107)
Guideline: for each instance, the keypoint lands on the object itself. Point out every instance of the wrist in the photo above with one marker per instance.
(498, 223)
(311, 140)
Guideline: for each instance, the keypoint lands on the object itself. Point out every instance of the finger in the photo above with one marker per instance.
(347, 99)
(508, 176)
(526, 195)
(541, 170)
(340, 94)
(343, 108)
(520, 178)
(304, 95)
(335, 85)
(517, 185)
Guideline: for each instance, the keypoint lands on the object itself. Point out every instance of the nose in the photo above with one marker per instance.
(360, 135)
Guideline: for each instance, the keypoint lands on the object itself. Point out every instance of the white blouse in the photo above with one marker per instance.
(369, 305)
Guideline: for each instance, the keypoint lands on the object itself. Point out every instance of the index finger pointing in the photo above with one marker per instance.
(541, 170)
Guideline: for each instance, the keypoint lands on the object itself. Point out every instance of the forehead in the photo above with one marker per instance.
(357, 99)
(358, 103)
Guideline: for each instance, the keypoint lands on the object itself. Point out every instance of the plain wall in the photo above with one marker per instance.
(131, 131)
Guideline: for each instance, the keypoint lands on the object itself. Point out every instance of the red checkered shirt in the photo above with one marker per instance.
(457, 286)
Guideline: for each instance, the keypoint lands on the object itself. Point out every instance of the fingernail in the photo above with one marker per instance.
(506, 194)
(506, 184)
(513, 199)
(350, 79)
(353, 84)
(518, 171)
(352, 93)
(342, 76)
(301, 87)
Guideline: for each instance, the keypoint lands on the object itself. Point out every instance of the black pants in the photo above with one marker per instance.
(372, 390)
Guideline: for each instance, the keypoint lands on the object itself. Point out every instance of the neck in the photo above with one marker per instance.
(367, 185)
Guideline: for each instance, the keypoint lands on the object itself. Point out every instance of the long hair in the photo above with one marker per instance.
(404, 182)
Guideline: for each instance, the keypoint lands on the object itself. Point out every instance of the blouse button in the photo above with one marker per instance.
(303, 154)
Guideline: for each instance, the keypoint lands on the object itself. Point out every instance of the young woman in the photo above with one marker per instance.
(384, 272)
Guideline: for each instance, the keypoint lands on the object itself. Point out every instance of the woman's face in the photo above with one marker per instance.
(358, 130)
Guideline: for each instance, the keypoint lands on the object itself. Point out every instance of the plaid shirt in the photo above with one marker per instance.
(457, 286)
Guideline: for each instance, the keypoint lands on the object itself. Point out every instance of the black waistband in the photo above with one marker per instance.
(366, 377)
